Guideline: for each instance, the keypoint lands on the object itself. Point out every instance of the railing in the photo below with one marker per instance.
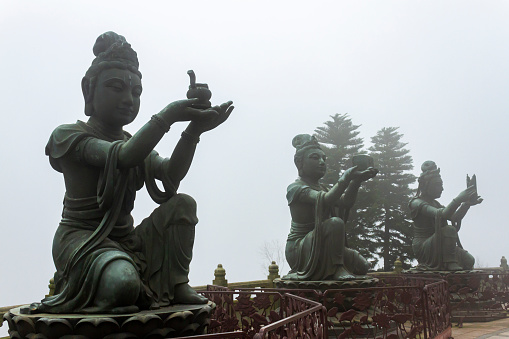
(265, 314)
(303, 320)
(400, 307)
(438, 308)
(479, 296)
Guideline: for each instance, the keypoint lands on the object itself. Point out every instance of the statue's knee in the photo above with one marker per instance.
(467, 261)
(333, 226)
(185, 199)
(358, 264)
(184, 203)
(119, 284)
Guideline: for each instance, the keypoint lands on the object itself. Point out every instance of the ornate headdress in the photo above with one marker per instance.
(430, 172)
(302, 143)
(111, 51)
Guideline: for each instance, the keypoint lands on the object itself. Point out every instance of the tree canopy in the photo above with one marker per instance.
(378, 226)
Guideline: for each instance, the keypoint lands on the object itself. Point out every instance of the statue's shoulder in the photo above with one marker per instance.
(69, 130)
(294, 189)
(78, 126)
(65, 137)
(416, 203)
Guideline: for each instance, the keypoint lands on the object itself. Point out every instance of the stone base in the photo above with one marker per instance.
(477, 316)
(168, 322)
(358, 282)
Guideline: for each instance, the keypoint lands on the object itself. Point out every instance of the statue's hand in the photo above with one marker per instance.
(203, 123)
(181, 110)
(475, 201)
(367, 174)
(349, 174)
(467, 195)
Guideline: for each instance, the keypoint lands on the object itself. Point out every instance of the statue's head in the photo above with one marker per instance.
(309, 157)
(430, 181)
(112, 84)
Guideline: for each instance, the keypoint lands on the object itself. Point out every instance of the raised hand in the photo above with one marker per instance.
(349, 174)
(469, 194)
(206, 122)
(367, 174)
(179, 110)
(475, 201)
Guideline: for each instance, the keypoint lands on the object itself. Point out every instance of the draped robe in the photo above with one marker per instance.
(315, 250)
(96, 230)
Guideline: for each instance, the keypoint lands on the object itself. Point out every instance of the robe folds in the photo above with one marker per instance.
(96, 230)
(432, 249)
(315, 250)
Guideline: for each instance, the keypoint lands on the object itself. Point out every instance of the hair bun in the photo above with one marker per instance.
(302, 140)
(428, 166)
(106, 40)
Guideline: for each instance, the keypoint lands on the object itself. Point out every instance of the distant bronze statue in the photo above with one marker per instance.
(316, 248)
(105, 264)
(436, 244)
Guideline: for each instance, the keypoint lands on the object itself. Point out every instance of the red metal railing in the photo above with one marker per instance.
(399, 307)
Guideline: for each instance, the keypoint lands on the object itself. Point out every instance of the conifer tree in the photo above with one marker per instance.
(391, 192)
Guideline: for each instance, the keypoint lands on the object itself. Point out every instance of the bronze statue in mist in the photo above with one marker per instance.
(105, 264)
(436, 243)
(317, 249)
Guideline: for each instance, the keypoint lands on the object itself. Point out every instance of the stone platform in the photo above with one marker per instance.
(168, 322)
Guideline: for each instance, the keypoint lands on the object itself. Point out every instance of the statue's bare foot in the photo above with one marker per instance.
(184, 294)
(342, 274)
(452, 266)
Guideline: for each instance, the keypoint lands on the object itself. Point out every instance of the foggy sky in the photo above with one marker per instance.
(437, 69)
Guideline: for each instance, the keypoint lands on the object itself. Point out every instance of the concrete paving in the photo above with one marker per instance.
(493, 330)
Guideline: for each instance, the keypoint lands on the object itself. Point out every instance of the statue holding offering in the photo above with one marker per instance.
(317, 249)
(436, 244)
(105, 264)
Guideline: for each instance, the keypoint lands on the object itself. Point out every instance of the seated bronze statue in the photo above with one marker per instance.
(104, 264)
(436, 244)
(316, 248)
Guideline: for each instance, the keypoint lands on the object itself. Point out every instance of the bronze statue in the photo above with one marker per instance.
(105, 264)
(436, 244)
(316, 248)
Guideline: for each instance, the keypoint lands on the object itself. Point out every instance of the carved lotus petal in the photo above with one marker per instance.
(203, 315)
(142, 324)
(14, 334)
(189, 330)
(179, 320)
(23, 325)
(10, 322)
(96, 327)
(53, 327)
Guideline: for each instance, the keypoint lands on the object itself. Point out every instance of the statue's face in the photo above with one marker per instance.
(116, 99)
(313, 164)
(435, 189)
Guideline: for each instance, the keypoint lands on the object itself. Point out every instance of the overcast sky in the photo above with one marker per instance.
(437, 69)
